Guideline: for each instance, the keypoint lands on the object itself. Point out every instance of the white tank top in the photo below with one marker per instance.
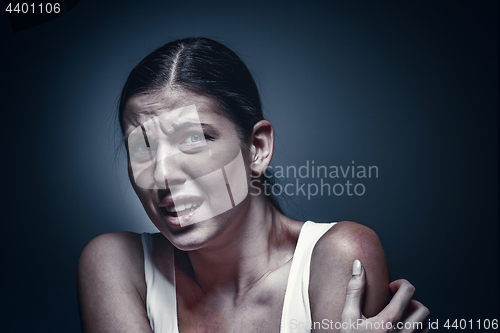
(161, 302)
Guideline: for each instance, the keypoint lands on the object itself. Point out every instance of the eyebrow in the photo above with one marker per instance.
(152, 113)
(204, 126)
(190, 124)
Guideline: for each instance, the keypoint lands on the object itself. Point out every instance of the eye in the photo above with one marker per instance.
(191, 138)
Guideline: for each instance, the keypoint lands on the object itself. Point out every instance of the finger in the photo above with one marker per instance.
(355, 292)
(418, 314)
(404, 292)
(417, 310)
(398, 284)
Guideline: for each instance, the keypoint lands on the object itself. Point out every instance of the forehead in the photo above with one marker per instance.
(143, 107)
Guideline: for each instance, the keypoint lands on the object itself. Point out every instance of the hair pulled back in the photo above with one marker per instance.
(206, 67)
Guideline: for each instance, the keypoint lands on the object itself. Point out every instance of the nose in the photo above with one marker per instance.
(167, 169)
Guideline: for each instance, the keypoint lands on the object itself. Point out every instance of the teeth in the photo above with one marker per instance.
(181, 208)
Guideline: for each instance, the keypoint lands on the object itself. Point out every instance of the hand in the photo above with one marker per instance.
(390, 318)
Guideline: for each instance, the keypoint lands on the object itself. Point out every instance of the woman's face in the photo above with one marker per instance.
(186, 164)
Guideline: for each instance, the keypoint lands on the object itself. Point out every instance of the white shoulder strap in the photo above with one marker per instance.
(161, 302)
(296, 317)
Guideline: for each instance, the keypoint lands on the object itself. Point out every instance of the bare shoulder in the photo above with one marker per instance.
(116, 241)
(350, 240)
(110, 255)
(111, 286)
(331, 268)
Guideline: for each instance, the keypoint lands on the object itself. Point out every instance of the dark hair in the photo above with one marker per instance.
(205, 67)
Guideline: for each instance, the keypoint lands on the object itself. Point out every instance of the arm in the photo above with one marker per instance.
(331, 267)
(390, 319)
(111, 286)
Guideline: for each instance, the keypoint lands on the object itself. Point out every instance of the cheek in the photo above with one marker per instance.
(141, 175)
(147, 200)
(223, 153)
(144, 195)
(237, 178)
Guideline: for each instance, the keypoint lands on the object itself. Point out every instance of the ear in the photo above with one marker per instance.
(261, 146)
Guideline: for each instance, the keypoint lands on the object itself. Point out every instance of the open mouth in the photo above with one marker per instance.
(182, 208)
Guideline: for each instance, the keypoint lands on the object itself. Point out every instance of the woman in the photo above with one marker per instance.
(226, 259)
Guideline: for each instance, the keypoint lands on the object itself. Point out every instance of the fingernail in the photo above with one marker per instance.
(356, 267)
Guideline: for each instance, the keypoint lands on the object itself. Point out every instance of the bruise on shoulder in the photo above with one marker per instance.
(331, 268)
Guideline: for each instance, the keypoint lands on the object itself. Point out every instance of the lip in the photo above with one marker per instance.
(185, 218)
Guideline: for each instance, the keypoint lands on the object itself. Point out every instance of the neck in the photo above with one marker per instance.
(255, 243)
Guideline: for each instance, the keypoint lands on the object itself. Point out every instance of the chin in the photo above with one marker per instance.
(192, 237)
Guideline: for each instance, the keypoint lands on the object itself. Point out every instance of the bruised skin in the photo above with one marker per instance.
(331, 269)
(113, 292)
(231, 269)
(223, 145)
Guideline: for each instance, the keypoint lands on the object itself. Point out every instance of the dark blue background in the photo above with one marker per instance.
(408, 86)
